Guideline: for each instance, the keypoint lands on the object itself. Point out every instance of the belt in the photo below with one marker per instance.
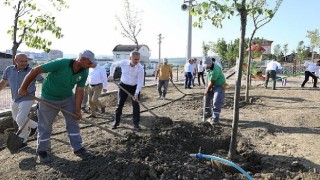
(92, 85)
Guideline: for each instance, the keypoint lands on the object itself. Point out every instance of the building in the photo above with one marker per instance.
(55, 54)
(5, 60)
(121, 52)
(266, 44)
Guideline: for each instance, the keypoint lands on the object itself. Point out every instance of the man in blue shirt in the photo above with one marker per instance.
(21, 106)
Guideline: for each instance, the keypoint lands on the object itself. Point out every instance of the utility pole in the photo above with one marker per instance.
(159, 42)
(187, 7)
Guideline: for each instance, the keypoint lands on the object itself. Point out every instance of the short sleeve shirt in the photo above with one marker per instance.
(216, 75)
(164, 71)
(15, 79)
(61, 79)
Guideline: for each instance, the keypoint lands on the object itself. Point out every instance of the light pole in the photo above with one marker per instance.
(187, 7)
(160, 38)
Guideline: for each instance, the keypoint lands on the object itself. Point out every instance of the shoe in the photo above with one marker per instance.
(159, 97)
(82, 152)
(114, 127)
(137, 128)
(32, 131)
(43, 157)
(302, 86)
(92, 116)
(23, 146)
(103, 110)
(189, 87)
(315, 87)
(207, 115)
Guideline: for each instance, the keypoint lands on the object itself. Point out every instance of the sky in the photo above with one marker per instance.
(92, 25)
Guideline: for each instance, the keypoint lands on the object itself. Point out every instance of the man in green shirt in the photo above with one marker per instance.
(215, 91)
(57, 89)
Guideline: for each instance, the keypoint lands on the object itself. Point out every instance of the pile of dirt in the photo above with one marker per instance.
(161, 150)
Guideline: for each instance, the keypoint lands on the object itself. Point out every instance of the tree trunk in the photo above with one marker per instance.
(248, 80)
(233, 142)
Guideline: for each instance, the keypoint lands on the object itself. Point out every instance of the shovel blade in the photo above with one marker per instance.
(14, 142)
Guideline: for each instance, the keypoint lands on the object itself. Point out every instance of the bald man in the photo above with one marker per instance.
(20, 106)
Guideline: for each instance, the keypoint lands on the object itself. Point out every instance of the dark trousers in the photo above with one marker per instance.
(188, 78)
(272, 74)
(122, 97)
(200, 74)
(307, 74)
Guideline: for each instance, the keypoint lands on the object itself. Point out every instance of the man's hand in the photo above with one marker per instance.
(110, 78)
(23, 92)
(78, 115)
(135, 98)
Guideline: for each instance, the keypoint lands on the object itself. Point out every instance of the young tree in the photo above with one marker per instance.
(277, 51)
(314, 40)
(216, 12)
(30, 23)
(205, 49)
(285, 50)
(259, 19)
(301, 52)
(131, 24)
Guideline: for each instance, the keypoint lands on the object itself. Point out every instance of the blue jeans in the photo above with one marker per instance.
(215, 99)
(188, 78)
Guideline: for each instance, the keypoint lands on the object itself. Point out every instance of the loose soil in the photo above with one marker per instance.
(277, 138)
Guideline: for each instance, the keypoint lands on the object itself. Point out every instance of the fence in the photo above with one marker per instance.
(5, 97)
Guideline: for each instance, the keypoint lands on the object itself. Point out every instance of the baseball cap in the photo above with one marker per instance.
(207, 60)
(89, 55)
(165, 60)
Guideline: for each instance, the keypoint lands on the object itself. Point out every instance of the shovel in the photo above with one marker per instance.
(14, 142)
(72, 114)
(138, 101)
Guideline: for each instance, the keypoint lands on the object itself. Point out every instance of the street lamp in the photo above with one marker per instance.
(186, 6)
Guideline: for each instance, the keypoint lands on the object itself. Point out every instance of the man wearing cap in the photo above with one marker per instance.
(132, 81)
(215, 91)
(57, 89)
(164, 72)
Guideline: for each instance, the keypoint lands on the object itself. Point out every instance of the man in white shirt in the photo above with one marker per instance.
(131, 80)
(96, 82)
(200, 73)
(271, 71)
(188, 70)
(313, 71)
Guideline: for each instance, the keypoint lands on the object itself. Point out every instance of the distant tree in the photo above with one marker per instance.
(314, 40)
(284, 51)
(30, 22)
(301, 52)
(221, 48)
(277, 51)
(130, 23)
(233, 51)
(205, 49)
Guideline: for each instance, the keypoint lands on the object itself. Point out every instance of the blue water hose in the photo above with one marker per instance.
(199, 155)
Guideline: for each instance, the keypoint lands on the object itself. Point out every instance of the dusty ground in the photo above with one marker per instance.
(278, 139)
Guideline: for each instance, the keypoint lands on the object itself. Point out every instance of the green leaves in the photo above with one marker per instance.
(32, 25)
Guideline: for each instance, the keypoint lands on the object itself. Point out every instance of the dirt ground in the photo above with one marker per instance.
(278, 138)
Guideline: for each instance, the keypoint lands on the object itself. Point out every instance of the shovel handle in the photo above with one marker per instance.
(72, 114)
(137, 100)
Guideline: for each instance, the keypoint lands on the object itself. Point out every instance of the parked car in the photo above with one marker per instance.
(149, 71)
(117, 73)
